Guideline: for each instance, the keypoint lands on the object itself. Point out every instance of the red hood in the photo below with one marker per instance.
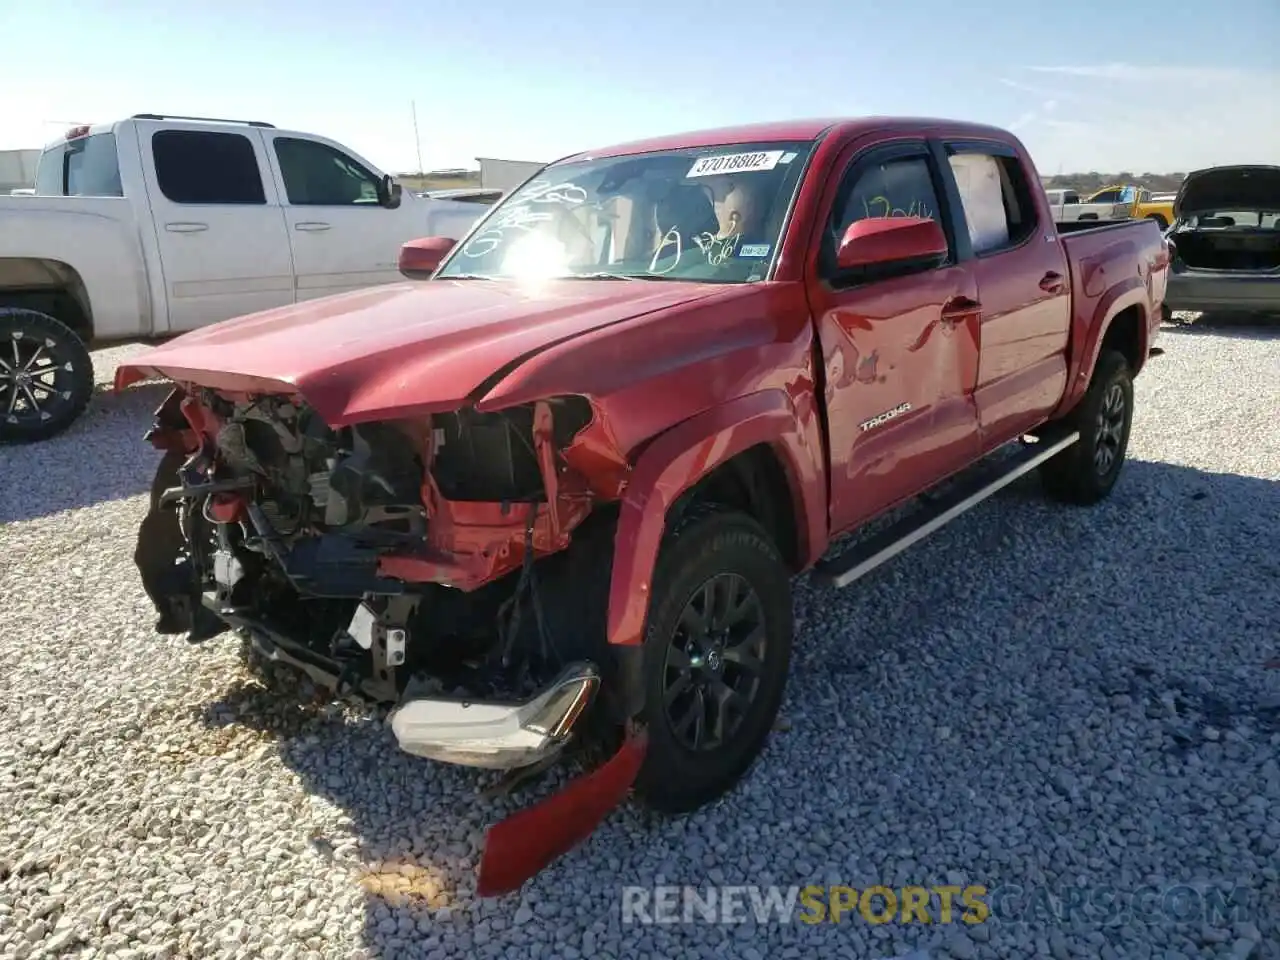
(400, 349)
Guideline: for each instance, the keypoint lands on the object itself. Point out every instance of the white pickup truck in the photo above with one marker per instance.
(1106, 205)
(153, 226)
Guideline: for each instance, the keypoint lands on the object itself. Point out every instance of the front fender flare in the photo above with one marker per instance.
(686, 453)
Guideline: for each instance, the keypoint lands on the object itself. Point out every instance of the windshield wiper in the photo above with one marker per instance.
(467, 276)
(600, 275)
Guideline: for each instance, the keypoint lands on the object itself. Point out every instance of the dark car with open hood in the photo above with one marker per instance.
(1225, 241)
(552, 489)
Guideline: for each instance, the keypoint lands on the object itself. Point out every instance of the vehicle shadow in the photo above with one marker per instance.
(1198, 551)
(98, 458)
(1249, 326)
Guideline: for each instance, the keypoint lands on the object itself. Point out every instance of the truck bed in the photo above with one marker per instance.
(1087, 226)
(37, 237)
(1100, 256)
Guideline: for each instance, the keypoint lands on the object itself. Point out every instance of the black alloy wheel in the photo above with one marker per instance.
(46, 376)
(717, 651)
(714, 662)
(1109, 429)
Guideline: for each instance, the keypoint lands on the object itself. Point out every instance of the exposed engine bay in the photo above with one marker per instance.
(393, 559)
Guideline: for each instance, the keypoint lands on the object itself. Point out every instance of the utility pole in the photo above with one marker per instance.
(417, 140)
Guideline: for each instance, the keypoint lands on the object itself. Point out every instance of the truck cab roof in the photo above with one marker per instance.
(798, 130)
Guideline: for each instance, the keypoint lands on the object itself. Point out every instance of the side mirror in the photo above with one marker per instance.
(882, 240)
(389, 192)
(420, 258)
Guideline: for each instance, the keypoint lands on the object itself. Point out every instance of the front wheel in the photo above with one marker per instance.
(717, 651)
(46, 376)
(1087, 471)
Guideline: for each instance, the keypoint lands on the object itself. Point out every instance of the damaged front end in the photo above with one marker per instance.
(423, 562)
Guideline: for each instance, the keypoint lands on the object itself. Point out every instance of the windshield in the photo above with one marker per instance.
(710, 214)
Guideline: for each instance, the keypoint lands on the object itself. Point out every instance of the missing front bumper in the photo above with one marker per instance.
(497, 736)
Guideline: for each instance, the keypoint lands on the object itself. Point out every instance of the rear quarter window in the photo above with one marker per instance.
(86, 167)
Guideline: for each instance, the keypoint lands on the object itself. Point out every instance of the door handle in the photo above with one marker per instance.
(1051, 282)
(186, 227)
(957, 308)
(311, 226)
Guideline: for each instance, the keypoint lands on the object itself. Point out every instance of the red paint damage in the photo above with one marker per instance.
(400, 350)
(516, 849)
(472, 543)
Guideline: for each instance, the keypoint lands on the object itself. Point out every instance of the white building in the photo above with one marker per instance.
(17, 170)
(506, 174)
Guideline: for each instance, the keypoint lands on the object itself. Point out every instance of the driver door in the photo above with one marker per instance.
(899, 345)
(342, 238)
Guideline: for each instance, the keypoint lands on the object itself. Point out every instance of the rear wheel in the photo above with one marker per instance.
(717, 650)
(46, 376)
(1087, 471)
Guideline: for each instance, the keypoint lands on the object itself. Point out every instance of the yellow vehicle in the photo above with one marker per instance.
(1151, 206)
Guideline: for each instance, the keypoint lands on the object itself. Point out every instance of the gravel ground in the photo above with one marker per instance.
(1036, 696)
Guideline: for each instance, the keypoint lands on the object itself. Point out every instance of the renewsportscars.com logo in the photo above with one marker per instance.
(810, 904)
(1100, 905)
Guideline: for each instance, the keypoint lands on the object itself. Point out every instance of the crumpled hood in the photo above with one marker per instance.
(400, 349)
(1252, 187)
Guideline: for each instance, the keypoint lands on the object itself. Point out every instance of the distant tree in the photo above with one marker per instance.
(1093, 181)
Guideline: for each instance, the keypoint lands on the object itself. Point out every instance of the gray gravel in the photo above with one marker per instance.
(1036, 696)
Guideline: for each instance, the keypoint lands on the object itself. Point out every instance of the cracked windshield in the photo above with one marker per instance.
(712, 214)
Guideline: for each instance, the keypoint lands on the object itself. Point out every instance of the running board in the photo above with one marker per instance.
(859, 560)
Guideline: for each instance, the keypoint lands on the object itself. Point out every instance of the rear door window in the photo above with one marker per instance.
(996, 199)
(203, 167)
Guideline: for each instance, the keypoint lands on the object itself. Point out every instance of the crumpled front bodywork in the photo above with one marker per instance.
(509, 433)
(400, 350)
(643, 363)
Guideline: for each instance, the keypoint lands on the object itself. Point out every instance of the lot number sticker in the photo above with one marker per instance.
(735, 163)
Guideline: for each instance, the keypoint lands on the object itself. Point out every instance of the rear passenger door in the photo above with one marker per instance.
(223, 247)
(1023, 287)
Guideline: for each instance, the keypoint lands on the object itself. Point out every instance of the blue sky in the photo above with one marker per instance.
(1089, 85)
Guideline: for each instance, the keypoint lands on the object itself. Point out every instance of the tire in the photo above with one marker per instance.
(726, 551)
(38, 402)
(1087, 471)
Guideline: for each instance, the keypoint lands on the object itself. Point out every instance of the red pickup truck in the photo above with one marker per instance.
(554, 487)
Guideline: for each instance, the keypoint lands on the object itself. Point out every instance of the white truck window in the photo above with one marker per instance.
(196, 166)
(317, 175)
(83, 167)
